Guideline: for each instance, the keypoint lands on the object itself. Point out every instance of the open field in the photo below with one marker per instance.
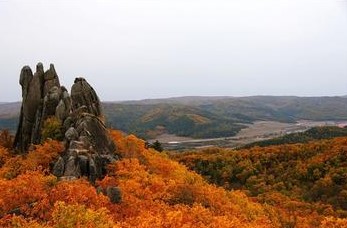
(260, 130)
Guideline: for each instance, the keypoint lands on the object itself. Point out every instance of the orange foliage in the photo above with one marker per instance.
(23, 192)
(159, 192)
(70, 192)
(156, 192)
(38, 159)
(11, 221)
(331, 222)
(303, 182)
(76, 215)
(6, 139)
(4, 155)
(78, 192)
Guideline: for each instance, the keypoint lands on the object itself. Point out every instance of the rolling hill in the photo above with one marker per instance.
(304, 177)
(209, 117)
(205, 117)
(315, 133)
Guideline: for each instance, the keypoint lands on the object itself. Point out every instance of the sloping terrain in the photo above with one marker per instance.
(9, 110)
(304, 178)
(222, 116)
(205, 117)
(314, 133)
(156, 191)
(150, 120)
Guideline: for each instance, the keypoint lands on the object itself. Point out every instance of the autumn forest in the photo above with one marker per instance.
(299, 185)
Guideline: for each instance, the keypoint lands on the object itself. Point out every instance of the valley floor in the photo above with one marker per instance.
(260, 130)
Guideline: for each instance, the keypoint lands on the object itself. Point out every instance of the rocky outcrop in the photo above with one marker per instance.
(41, 94)
(88, 146)
(83, 94)
(51, 80)
(62, 111)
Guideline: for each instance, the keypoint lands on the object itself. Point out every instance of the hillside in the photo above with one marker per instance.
(314, 133)
(212, 117)
(300, 177)
(9, 115)
(155, 192)
(9, 110)
(159, 192)
(205, 117)
(148, 121)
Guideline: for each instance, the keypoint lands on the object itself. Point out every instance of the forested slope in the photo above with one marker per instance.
(204, 117)
(155, 192)
(315, 133)
(306, 177)
(159, 192)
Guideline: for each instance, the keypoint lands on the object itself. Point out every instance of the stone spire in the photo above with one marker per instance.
(88, 146)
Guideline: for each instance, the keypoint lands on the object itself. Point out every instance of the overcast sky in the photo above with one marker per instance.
(137, 49)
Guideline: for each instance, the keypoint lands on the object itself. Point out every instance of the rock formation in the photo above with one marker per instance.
(83, 94)
(41, 94)
(88, 147)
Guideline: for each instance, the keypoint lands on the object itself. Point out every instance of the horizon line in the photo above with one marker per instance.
(204, 96)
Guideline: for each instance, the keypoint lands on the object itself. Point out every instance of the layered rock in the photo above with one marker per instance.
(88, 146)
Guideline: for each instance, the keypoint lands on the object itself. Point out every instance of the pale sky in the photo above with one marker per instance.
(138, 49)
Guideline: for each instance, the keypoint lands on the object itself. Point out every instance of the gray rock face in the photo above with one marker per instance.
(51, 79)
(88, 125)
(41, 93)
(59, 167)
(26, 76)
(88, 146)
(23, 135)
(82, 94)
(63, 108)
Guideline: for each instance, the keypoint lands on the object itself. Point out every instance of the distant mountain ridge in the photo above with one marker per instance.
(189, 100)
(207, 117)
(9, 109)
(224, 116)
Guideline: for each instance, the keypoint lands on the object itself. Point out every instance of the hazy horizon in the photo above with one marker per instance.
(135, 50)
(197, 96)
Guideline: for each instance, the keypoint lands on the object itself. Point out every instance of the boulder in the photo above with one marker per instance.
(114, 194)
